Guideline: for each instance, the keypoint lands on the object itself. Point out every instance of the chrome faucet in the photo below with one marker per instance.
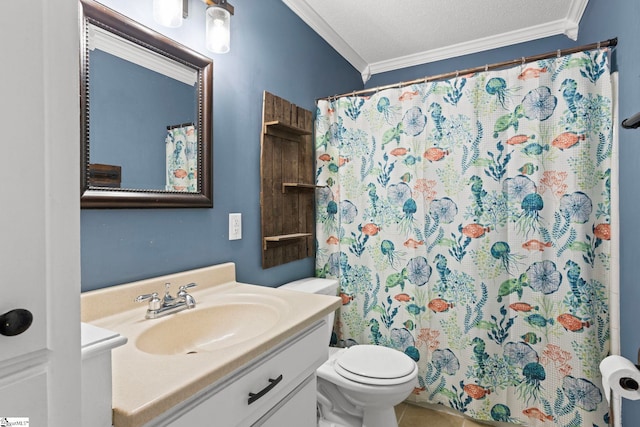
(168, 304)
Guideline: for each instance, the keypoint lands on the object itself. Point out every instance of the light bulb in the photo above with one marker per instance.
(168, 12)
(218, 29)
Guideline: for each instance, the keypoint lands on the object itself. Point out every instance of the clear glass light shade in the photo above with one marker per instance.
(168, 12)
(218, 29)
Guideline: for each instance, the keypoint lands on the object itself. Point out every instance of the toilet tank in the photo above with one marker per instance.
(316, 285)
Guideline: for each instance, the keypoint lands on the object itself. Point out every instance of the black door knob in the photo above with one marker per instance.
(15, 322)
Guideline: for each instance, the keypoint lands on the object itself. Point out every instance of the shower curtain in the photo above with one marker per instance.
(468, 222)
(182, 158)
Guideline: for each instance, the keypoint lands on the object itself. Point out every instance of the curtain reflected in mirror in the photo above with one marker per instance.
(182, 159)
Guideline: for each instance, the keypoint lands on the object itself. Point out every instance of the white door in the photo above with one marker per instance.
(39, 210)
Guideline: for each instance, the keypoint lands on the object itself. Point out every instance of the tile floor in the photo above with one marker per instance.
(409, 415)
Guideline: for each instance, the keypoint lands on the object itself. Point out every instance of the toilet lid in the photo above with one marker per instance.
(374, 364)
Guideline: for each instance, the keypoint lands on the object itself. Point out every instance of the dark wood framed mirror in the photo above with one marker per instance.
(146, 116)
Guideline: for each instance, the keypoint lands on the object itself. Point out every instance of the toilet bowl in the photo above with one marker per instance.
(358, 386)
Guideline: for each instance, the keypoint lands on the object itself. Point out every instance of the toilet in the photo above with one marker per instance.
(358, 386)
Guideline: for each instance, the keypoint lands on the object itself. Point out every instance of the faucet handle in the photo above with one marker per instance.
(154, 301)
(188, 299)
(183, 288)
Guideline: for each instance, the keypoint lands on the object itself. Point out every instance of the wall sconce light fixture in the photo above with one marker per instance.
(218, 17)
(169, 13)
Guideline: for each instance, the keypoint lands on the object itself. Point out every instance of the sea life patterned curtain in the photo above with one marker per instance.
(182, 159)
(468, 221)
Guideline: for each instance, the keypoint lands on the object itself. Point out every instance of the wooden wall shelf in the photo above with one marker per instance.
(287, 196)
(283, 127)
(285, 131)
(299, 186)
(285, 238)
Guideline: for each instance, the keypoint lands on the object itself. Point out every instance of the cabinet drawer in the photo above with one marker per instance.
(227, 402)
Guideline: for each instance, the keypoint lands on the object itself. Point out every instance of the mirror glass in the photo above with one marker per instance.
(146, 116)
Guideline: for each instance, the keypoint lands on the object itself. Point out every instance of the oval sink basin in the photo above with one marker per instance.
(211, 328)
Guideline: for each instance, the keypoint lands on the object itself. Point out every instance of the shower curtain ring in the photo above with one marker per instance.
(523, 60)
(486, 67)
(558, 53)
(598, 46)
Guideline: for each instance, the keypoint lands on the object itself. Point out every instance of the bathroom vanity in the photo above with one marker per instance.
(245, 355)
(281, 385)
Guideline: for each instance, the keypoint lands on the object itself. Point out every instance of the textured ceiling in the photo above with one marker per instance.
(377, 36)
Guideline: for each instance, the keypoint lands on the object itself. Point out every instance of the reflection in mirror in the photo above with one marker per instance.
(146, 116)
(139, 104)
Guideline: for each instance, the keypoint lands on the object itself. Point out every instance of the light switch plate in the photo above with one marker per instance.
(235, 226)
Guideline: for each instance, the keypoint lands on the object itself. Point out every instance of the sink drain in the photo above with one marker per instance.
(192, 352)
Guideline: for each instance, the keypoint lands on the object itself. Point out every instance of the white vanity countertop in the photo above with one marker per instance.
(97, 340)
(146, 385)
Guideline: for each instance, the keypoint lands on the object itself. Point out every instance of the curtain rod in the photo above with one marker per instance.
(560, 52)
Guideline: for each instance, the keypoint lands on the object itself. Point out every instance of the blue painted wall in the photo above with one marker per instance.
(271, 49)
(131, 107)
(602, 20)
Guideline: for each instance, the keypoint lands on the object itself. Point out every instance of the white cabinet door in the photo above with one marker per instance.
(297, 410)
(39, 210)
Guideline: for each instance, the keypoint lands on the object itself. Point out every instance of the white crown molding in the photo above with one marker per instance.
(117, 46)
(573, 18)
(320, 26)
(568, 26)
(576, 10)
(366, 74)
(563, 26)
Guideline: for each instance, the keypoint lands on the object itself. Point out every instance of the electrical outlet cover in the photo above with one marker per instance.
(235, 226)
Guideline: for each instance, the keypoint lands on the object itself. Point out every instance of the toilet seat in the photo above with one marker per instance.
(374, 365)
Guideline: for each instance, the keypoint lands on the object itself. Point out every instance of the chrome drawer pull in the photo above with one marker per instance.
(272, 383)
